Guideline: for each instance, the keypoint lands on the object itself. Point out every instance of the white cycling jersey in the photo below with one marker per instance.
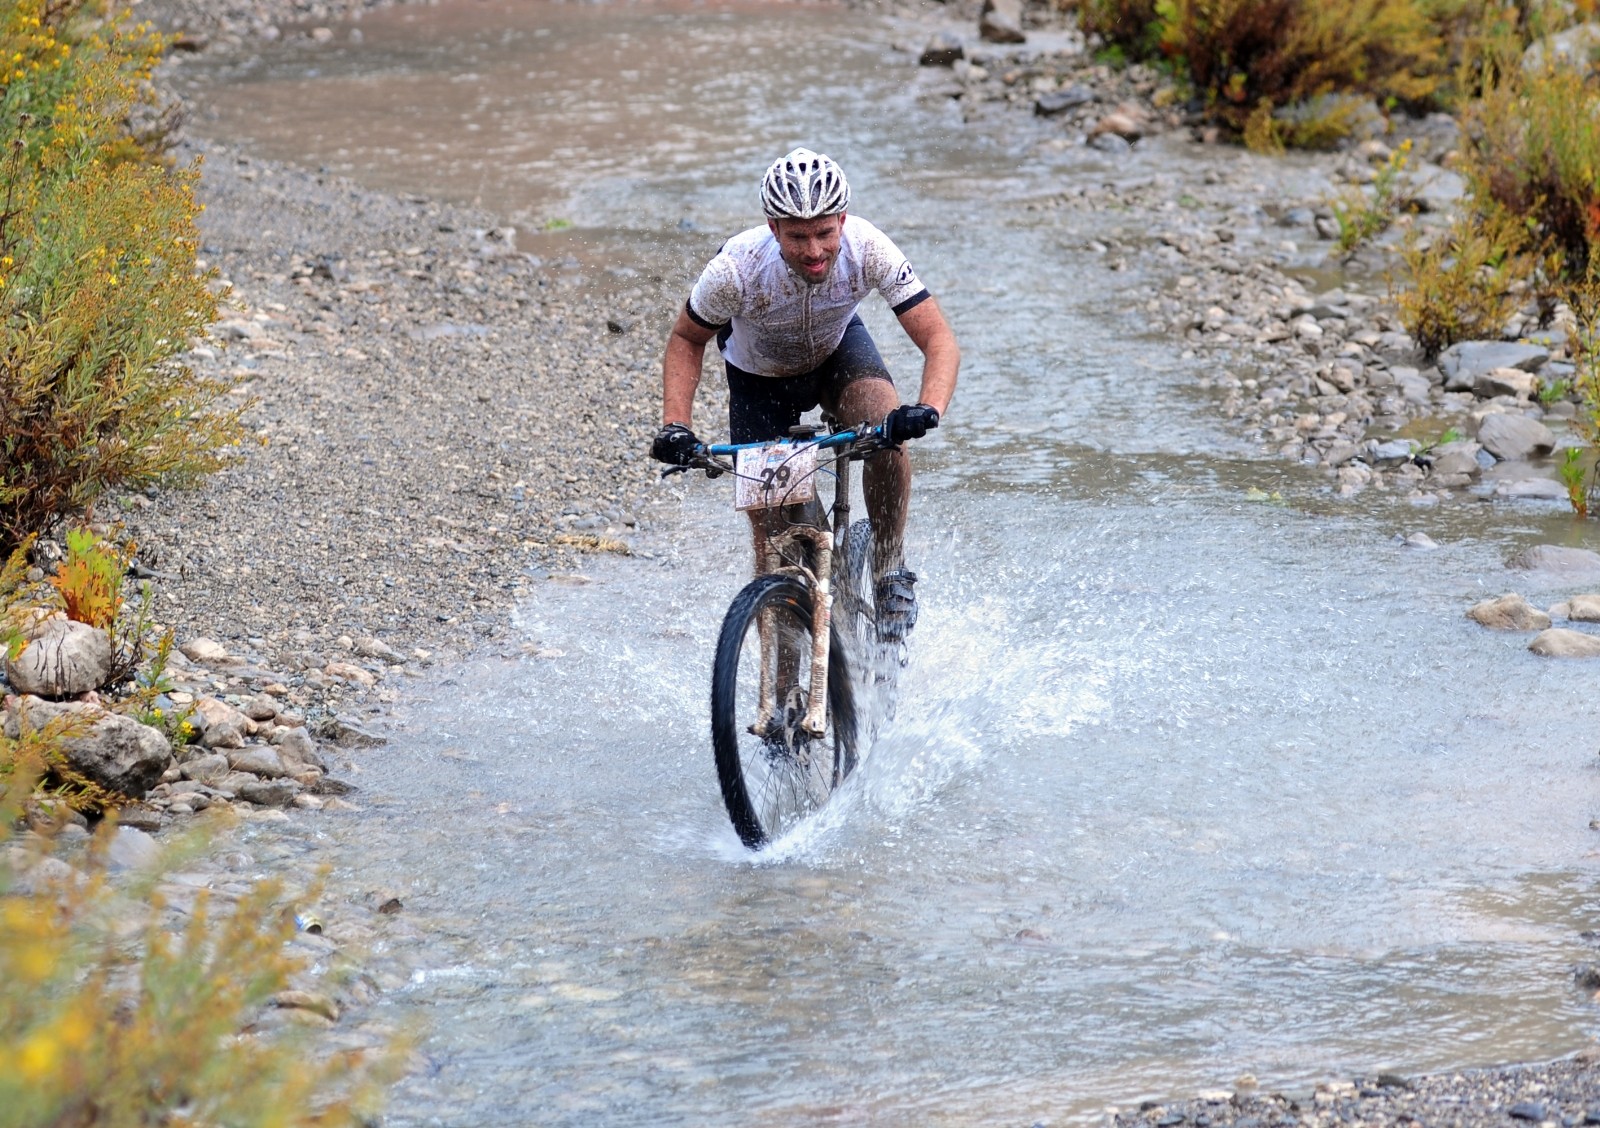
(771, 322)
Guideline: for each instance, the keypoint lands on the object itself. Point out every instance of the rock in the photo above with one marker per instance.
(1532, 489)
(348, 671)
(1460, 457)
(377, 648)
(62, 659)
(1412, 384)
(305, 1000)
(1559, 642)
(1440, 192)
(1120, 124)
(1421, 541)
(207, 769)
(1393, 453)
(1509, 612)
(298, 750)
(204, 652)
(114, 751)
(942, 50)
(1000, 21)
(1570, 563)
(1575, 48)
(1060, 101)
(1109, 143)
(220, 724)
(269, 792)
(1584, 608)
(140, 817)
(258, 760)
(132, 849)
(1515, 437)
(1527, 1110)
(1462, 363)
(1339, 452)
(261, 707)
(347, 734)
(1505, 382)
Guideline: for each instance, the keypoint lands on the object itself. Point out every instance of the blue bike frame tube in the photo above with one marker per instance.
(837, 439)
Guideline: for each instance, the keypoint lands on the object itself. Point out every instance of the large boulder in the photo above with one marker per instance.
(62, 659)
(1559, 560)
(1509, 612)
(1513, 438)
(1559, 642)
(1463, 362)
(114, 751)
(1001, 22)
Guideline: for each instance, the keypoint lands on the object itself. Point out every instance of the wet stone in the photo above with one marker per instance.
(1464, 362)
(1060, 101)
(942, 50)
(269, 792)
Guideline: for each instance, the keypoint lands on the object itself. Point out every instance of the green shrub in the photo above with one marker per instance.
(1239, 53)
(99, 294)
(1468, 281)
(1131, 26)
(1252, 60)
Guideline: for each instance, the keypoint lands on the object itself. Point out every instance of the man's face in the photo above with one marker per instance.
(809, 246)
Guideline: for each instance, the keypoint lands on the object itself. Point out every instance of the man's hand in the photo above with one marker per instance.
(675, 445)
(909, 421)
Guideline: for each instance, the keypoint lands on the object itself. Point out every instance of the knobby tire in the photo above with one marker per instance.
(744, 759)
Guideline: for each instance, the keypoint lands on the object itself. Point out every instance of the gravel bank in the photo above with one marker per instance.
(1565, 1093)
(435, 414)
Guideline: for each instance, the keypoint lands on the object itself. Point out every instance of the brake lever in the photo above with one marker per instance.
(671, 470)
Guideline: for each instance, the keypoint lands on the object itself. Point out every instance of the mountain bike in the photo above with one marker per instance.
(784, 724)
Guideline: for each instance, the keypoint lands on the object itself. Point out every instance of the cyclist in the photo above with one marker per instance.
(781, 302)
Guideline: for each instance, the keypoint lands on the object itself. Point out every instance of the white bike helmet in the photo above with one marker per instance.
(804, 185)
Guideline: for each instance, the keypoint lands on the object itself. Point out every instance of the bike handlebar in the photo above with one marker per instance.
(861, 440)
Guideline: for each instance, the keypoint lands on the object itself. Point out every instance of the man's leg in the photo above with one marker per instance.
(861, 390)
(885, 477)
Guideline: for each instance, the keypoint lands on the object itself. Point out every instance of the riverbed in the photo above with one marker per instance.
(1196, 771)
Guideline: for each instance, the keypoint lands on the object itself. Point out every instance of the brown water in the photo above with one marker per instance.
(1182, 784)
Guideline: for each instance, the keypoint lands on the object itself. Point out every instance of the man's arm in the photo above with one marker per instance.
(941, 356)
(680, 368)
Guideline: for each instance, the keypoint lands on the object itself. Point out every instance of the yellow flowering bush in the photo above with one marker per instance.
(111, 1015)
(99, 291)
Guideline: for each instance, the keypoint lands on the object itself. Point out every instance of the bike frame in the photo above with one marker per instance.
(826, 541)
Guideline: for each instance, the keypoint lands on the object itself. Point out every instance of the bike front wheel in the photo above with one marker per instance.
(773, 773)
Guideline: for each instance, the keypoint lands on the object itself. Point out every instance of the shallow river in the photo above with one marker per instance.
(1182, 784)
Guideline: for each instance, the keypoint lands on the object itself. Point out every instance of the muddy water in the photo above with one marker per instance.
(1182, 784)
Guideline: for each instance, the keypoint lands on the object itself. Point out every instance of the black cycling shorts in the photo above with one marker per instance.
(765, 407)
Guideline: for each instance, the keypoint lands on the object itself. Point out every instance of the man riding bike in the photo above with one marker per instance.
(781, 302)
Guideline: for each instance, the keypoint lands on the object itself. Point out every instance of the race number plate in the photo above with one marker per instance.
(780, 474)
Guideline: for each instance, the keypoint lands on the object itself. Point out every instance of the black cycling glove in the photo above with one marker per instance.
(909, 421)
(675, 445)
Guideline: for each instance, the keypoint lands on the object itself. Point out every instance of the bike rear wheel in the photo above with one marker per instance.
(772, 772)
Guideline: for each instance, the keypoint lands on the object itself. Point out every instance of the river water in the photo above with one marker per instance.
(1195, 771)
